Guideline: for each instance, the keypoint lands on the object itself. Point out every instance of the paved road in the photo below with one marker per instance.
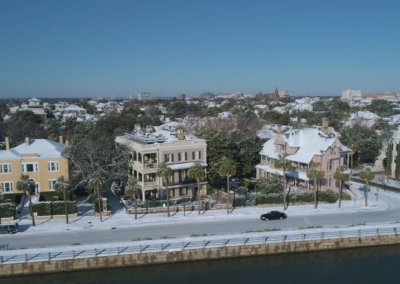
(54, 239)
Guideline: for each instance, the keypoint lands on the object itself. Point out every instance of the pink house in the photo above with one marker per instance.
(304, 146)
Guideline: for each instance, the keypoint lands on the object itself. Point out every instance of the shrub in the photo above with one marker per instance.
(48, 196)
(328, 196)
(273, 198)
(58, 207)
(42, 208)
(7, 210)
(14, 197)
(239, 202)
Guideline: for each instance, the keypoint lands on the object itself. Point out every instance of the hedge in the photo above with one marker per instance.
(49, 208)
(7, 210)
(376, 184)
(48, 196)
(239, 202)
(14, 197)
(328, 196)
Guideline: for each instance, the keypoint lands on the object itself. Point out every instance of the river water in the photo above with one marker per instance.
(366, 265)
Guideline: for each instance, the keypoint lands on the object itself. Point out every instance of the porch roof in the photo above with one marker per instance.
(183, 166)
(294, 174)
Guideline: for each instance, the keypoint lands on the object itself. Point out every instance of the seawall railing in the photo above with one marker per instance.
(178, 246)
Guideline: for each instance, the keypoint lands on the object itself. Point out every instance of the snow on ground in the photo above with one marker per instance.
(133, 243)
(121, 219)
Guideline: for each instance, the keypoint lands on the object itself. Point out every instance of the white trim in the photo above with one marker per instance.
(9, 168)
(49, 165)
(35, 167)
(51, 185)
(3, 187)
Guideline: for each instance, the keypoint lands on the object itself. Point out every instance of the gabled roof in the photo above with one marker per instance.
(309, 141)
(45, 149)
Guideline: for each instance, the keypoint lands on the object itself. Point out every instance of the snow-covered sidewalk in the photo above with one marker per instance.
(121, 219)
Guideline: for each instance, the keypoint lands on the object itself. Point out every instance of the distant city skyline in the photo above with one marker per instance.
(95, 48)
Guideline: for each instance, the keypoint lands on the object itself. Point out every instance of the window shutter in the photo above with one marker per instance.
(193, 155)
(36, 167)
(185, 156)
(57, 166)
(199, 154)
(22, 168)
(49, 167)
(172, 157)
(1, 168)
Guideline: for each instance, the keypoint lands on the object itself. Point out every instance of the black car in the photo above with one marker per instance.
(273, 215)
(9, 229)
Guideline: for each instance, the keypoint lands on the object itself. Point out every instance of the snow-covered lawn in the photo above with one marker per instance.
(121, 219)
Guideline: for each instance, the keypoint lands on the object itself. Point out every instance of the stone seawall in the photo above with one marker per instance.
(192, 255)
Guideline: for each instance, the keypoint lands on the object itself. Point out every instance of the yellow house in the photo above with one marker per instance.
(41, 159)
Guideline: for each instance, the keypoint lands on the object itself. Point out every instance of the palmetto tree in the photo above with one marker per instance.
(226, 169)
(198, 173)
(341, 176)
(316, 174)
(165, 173)
(27, 186)
(284, 164)
(368, 175)
(97, 183)
(63, 186)
(132, 189)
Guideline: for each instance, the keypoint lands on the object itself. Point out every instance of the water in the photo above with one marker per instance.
(366, 265)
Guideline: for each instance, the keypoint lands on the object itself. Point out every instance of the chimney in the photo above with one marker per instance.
(61, 139)
(66, 143)
(325, 125)
(180, 134)
(149, 128)
(279, 128)
(307, 100)
(27, 141)
(7, 143)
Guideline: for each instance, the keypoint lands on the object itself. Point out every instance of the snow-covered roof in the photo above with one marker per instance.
(309, 141)
(34, 100)
(74, 107)
(43, 148)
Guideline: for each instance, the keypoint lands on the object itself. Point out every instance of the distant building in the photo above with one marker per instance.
(284, 94)
(351, 95)
(182, 97)
(144, 96)
(380, 95)
(207, 95)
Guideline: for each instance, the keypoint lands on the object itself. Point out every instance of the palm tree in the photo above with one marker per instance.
(316, 174)
(341, 176)
(197, 172)
(63, 187)
(284, 164)
(368, 175)
(165, 173)
(133, 190)
(27, 186)
(227, 168)
(97, 183)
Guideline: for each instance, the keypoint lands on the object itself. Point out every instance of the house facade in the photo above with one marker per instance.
(154, 145)
(304, 146)
(395, 141)
(41, 159)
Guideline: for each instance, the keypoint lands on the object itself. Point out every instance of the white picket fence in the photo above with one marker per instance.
(178, 246)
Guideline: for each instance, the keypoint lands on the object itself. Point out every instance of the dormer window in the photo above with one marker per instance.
(281, 147)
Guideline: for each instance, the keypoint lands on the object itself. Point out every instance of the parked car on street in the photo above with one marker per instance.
(9, 228)
(273, 215)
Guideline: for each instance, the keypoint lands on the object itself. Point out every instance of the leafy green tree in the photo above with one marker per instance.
(341, 175)
(316, 174)
(63, 186)
(98, 183)
(319, 106)
(165, 173)
(132, 189)
(198, 173)
(271, 184)
(27, 186)
(367, 175)
(248, 156)
(383, 108)
(24, 116)
(283, 163)
(226, 169)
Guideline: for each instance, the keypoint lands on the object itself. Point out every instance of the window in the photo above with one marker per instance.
(5, 168)
(199, 155)
(330, 165)
(330, 181)
(7, 186)
(29, 168)
(179, 157)
(282, 147)
(193, 155)
(166, 158)
(52, 183)
(183, 191)
(172, 157)
(53, 166)
(263, 157)
(185, 156)
(172, 193)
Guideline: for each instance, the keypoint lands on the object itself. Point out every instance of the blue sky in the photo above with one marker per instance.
(92, 48)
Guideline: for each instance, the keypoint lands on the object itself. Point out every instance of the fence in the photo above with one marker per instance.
(178, 246)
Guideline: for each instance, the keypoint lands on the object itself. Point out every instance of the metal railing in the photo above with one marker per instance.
(179, 246)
